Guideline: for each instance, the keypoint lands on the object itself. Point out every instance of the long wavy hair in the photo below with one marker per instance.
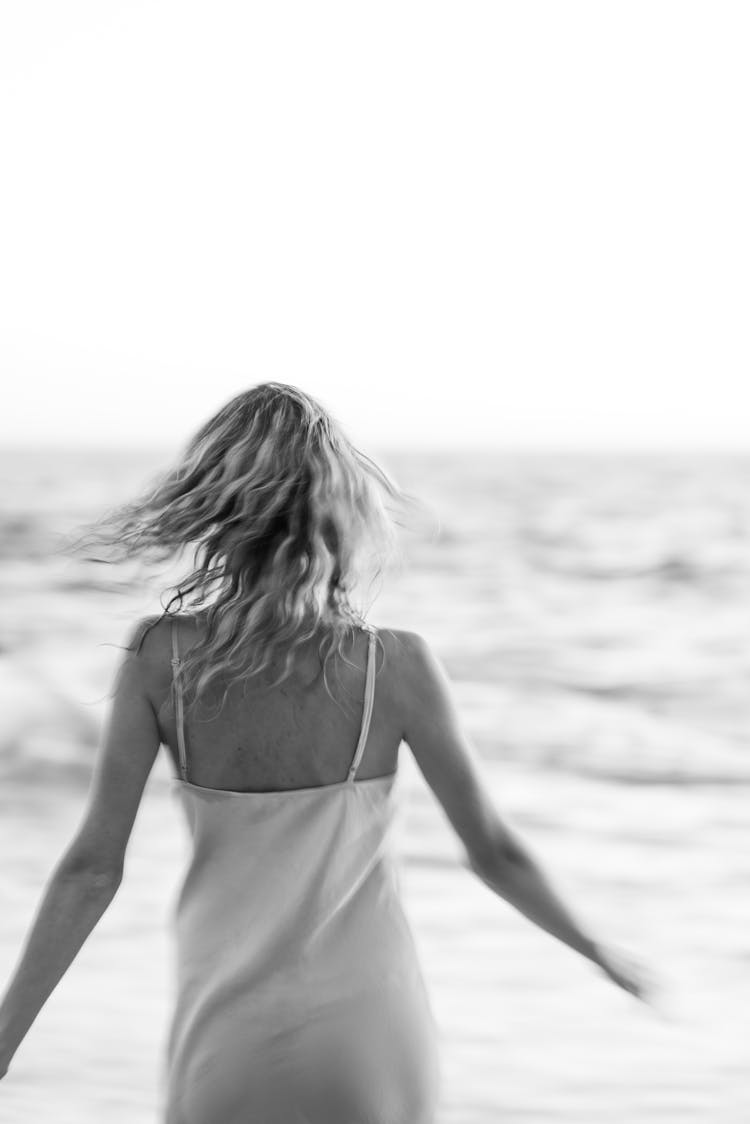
(288, 522)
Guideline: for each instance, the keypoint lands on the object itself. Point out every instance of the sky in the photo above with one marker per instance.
(506, 225)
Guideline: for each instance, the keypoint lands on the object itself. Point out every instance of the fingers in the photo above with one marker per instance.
(628, 974)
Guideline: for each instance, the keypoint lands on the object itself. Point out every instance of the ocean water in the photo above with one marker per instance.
(592, 615)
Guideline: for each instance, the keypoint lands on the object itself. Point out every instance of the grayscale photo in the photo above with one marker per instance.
(375, 563)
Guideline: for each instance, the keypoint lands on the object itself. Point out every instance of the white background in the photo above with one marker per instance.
(503, 224)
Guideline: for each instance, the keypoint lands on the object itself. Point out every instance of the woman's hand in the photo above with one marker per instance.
(624, 971)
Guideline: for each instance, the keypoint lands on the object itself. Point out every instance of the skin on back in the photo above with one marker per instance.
(290, 736)
(266, 737)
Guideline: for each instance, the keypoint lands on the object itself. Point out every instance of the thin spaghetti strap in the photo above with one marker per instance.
(367, 713)
(178, 704)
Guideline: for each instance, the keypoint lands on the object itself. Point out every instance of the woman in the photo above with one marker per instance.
(299, 992)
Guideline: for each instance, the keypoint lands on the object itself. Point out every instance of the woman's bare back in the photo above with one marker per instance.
(292, 735)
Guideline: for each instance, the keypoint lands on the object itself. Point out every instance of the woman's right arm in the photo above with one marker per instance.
(496, 854)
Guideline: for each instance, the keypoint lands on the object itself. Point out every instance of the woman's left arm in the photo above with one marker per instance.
(90, 871)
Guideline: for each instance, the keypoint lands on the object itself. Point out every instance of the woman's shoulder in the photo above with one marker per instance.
(411, 659)
(149, 649)
(401, 647)
(151, 638)
(400, 639)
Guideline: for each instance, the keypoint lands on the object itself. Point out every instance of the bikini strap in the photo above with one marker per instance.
(367, 713)
(178, 704)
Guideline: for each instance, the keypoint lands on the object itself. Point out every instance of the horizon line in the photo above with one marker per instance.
(470, 448)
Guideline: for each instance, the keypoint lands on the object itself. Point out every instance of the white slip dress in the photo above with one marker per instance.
(299, 994)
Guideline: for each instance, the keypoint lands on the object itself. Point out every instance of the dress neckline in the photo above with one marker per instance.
(384, 778)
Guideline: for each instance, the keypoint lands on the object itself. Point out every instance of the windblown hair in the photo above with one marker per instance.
(286, 519)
